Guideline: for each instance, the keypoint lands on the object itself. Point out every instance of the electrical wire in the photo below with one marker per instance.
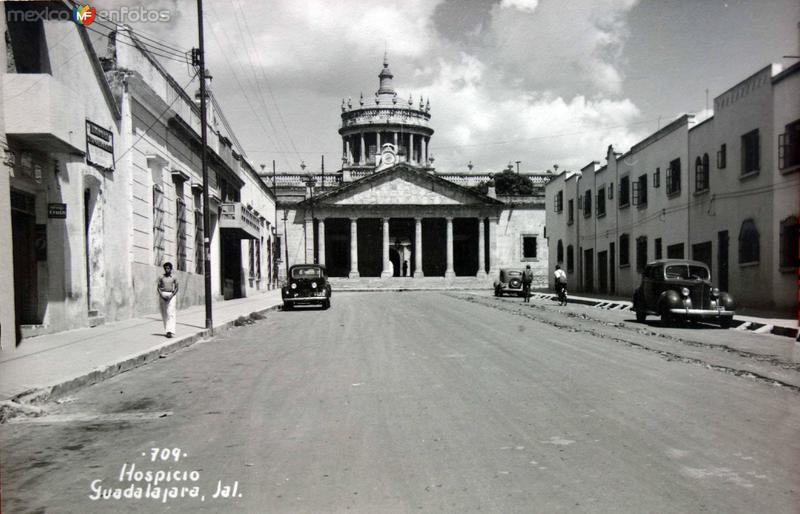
(156, 120)
(150, 50)
(178, 52)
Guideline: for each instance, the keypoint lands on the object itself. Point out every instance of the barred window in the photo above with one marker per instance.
(180, 233)
(751, 152)
(748, 242)
(601, 202)
(657, 178)
(560, 252)
(701, 173)
(789, 146)
(624, 191)
(570, 212)
(159, 245)
(641, 252)
(722, 157)
(640, 190)
(199, 259)
(658, 244)
(559, 199)
(674, 177)
(528, 247)
(587, 203)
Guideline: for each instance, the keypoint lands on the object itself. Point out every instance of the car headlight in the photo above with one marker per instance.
(294, 286)
(685, 291)
(715, 292)
(313, 285)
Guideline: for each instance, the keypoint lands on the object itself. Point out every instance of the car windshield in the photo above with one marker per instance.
(687, 272)
(306, 272)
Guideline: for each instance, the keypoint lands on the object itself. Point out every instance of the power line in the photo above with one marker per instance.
(150, 50)
(158, 118)
(178, 52)
(139, 32)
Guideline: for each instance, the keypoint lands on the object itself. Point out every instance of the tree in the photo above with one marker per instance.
(508, 183)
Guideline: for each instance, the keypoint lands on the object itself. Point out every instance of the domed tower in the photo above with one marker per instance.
(382, 119)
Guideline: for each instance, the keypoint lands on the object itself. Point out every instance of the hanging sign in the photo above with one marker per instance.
(57, 211)
(99, 146)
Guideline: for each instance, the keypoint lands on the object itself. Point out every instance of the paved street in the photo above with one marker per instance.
(427, 402)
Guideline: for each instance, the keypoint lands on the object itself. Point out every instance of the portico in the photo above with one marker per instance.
(402, 222)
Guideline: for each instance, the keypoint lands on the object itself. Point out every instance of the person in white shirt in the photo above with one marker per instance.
(561, 285)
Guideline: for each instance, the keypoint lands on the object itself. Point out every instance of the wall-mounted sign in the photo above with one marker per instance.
(57, 211)
(99, 146)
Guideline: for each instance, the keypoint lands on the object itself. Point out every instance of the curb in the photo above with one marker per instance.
(402, 289)
(26, 399)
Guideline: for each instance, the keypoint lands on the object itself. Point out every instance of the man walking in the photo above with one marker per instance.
(561, 285)
(527, 279)
(167, 289)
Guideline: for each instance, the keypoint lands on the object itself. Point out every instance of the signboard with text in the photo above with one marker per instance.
(57, 211)
(99, 146)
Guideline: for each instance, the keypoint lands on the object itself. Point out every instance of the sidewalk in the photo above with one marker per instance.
(53, 364)
(787, 327)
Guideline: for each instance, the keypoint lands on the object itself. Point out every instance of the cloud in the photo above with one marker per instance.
(522, 5)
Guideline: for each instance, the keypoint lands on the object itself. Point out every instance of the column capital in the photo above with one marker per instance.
(353, 218)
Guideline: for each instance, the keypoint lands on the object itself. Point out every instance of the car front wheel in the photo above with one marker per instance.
(726, 322)
(641, 316)
(326, 304)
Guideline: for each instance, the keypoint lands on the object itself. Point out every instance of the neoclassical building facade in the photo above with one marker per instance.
(388, 213)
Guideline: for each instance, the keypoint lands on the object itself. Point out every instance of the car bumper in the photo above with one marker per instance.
(702, 313)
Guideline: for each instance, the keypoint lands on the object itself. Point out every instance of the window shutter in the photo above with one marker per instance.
(782, 151)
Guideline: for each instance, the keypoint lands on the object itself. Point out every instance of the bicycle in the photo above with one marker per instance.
(562, 294)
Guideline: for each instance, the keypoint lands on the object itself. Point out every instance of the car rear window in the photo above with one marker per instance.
(514, 273)
(306, 273)
(687, 272)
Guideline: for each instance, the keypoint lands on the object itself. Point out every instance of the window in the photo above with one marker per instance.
(674, 177)
(748, 242)
(640, 191)
(158, 225)
(199, 260)
(180, 232)
(528, 248)
(570, 259)
(259, 244)
(570, 212)
(624, 191)
(624, 251)
(751, 152)
(701, 173)
(587, 203)
(659, 254)
(610, 190)
(790, 246)
(675, 251)
(559, 201)
(722, 157)
(641, 252)
(26, 41)
(657, 178)
(789, 146)
(601, 202)
(560, 252)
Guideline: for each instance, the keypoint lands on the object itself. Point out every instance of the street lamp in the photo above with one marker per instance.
(518, 166)
(311, 181)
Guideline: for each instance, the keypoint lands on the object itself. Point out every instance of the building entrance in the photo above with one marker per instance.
(23, 229)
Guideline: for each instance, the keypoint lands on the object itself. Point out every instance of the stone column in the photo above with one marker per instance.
(386, 266)
(449, 272)
(353, 248)
(348, 152)
(493, 269)
(418, 248)
(377, 143)
(321, 243)
(309, 240)
(363, 156)
(411, 148)
(423, 151)
(395, 141)
(481, 250)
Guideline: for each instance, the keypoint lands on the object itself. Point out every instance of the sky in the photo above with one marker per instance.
(543, 82)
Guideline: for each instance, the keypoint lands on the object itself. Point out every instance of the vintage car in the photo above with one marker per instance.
(681, 290)
(509, 281)
(307, 284)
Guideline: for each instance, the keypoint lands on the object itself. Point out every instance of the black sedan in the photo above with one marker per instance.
(307, 284)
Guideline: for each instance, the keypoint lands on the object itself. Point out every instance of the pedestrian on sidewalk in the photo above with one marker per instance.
(167, 290)
(561, 285)
(527, 280)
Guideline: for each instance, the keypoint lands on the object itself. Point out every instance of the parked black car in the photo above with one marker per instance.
(509, 281)
(307, 284)
(678, 289)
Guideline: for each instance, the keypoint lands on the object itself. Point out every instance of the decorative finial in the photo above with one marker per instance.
(394, 98)
(361, 100)
(349, 103)
(344, 105)
(470, 165)
(377, 98)
(428, 105)
(431, 158)
(410, 101)
(421, 104)
(303, 165)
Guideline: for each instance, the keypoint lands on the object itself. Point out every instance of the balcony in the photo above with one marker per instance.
(238, 221)
(43, 114)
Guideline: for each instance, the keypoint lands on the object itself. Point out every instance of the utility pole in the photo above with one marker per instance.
(204, 138)
(518, 166)
(275, 241)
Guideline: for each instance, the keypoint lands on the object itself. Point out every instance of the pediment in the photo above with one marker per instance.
(404, 186)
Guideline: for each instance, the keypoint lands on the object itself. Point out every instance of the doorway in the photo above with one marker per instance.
(602, 271)
(612, 269)
(722, 259)
(23, 237)
(588, 274)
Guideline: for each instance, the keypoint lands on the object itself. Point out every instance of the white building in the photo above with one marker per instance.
(724, 191)
(103, 183)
